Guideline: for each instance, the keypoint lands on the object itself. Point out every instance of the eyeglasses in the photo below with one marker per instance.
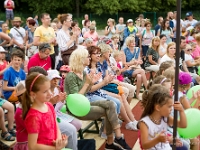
(189, 50)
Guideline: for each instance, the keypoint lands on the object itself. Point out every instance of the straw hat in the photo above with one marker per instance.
(17, 19)
(20, 88)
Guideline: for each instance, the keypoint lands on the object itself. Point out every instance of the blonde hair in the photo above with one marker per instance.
(114, 36)
(192, 44)
(169, 45)
(93, 23)
(105, 48)
(77, 58)
(197, 37)
(111, 20)
(129, 39)
(152, 43)
(169, 73)
(116, 53)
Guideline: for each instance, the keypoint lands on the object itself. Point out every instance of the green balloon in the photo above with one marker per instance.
(193, 119)
(63, 109)
(78, 104)
(189, 93)
(198, 70)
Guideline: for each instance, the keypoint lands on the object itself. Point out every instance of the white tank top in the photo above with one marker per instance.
(154, 130)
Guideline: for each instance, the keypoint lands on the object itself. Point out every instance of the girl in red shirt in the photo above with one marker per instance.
(39, 115)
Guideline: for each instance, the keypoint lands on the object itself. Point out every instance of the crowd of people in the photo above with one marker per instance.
(41, 64)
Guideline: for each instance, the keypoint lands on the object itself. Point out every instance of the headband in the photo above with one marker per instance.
(34, 81)
(163, 80)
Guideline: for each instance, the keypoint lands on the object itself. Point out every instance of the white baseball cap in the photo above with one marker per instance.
(52, 74)
(130, 20)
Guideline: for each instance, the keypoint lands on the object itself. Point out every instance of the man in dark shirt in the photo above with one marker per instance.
(157, 27)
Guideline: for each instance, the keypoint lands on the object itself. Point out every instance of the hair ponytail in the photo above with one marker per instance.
(26, 104)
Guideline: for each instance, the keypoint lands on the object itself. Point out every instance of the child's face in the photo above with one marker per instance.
(44, 94)
(156, 42)
(54, 82)
(2, 56)
(166, 109)
(64, 74)
(16, 62)
(119, 57)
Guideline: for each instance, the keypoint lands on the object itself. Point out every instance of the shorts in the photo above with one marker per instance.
(128, 73)
(2, 101)
(9, 15)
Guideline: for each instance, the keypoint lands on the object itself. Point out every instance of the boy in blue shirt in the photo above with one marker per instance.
(13, 75)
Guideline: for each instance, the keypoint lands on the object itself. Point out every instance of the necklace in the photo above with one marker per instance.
(155, 121)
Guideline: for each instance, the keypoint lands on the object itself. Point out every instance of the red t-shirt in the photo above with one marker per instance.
(2, 67)
(44, 124)
(36, 61)
(22, 135)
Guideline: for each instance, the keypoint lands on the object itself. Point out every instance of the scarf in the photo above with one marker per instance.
(131, 28)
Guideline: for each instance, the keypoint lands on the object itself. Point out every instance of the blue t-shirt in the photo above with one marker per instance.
(13, 77)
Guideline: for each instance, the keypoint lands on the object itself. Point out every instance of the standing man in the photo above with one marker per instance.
(120, 27)
(9, 5)
(170, 16)
(6, 45)
(46, 34)
(86, 17)
(157, 27)
(182, 64)
(18, 34)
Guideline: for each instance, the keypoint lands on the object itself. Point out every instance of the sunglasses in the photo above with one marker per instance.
(189, 50)
(45, 46)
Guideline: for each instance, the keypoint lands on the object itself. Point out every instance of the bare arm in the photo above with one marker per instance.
(5, 36)
(6, 88)
(107, 30)
(185, 67)
(151, 60)
(36, 41)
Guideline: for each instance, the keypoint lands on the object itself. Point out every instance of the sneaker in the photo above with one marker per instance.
(122, 143)
(113, 146)
(135, 122)
(131, 126)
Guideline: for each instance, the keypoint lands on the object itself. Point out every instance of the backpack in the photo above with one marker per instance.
(144, 32)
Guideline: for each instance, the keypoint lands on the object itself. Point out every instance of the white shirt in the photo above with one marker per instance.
(166, 58)
(17, 36)
(154, 130)
(5, 4)
(62, 39)
(174, 21)
(186, 22)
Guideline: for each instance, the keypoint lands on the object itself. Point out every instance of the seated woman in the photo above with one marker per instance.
(125, 110)
(78, 82)
(131, 57)
(169, 56)
(152, 57)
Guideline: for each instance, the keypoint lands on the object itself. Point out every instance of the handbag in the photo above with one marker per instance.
(111, 87)
(66, 54)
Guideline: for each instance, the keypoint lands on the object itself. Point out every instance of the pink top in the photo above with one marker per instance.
(2, 67)
(120, 77)
(36, 61)
(43, 124)
(21, 135)
(94, 36)
(196, 52)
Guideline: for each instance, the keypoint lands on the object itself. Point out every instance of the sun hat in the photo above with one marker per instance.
(65, 68)
(52, 74)
(184, 78)
(2, 50)
(17, 19)
(20, 88)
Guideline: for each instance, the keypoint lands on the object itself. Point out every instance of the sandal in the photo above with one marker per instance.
(7, 136)
(12, 132)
